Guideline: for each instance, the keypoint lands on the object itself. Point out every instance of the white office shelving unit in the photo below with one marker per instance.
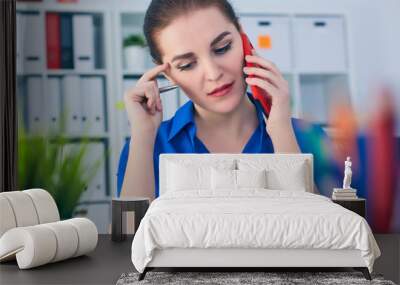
(297, 41)
(95, 202)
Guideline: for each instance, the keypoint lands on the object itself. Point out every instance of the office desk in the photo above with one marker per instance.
(104, 265)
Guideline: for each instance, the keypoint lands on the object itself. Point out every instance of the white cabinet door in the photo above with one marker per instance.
(319, 44)
(270, 36)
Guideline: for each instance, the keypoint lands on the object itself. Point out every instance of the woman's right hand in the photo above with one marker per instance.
(143, 102)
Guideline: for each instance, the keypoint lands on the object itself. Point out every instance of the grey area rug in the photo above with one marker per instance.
(230, 278)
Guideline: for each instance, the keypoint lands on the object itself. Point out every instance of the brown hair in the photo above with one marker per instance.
(161, 13)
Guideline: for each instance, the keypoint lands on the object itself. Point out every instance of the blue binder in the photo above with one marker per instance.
(67, 51)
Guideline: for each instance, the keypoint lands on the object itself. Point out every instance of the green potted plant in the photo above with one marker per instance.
(44, 162)
(135, 52)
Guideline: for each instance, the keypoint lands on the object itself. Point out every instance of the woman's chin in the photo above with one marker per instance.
(227, 106)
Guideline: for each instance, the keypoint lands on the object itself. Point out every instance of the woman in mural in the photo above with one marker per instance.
(197, 45)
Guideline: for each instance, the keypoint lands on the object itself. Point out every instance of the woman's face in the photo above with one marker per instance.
(204, 50)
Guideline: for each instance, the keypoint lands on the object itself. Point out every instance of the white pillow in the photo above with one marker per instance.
(251, 178)
(185, 175)
(223, 179)
(292, 179)
(282, 173)
(181, 177)
(237, 179)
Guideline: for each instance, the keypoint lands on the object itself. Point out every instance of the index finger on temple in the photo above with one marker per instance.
(154, 72)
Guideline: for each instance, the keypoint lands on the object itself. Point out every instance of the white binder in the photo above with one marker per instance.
(92, 94)
(169, 99)
(35, 102)
(72, 105)
(95, 157)
(33, 32)
(53, 104)
(97, 110)
(83, 38)
(84, 86)
(123, 116)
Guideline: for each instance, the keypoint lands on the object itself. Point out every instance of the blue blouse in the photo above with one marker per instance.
(178, 135)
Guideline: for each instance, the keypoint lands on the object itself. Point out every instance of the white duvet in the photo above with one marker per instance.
(251, 218)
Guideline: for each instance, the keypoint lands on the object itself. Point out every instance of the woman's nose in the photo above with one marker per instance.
(212, 71)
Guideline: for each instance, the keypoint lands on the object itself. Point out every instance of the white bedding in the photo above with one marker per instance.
(250, 218)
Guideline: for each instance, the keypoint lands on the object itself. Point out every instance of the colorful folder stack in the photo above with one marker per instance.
(74, 41)
(376, 156)
(375, 153)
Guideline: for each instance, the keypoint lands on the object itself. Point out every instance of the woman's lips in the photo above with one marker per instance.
(222, 92)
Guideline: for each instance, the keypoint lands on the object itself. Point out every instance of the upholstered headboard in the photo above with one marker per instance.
(279, 162)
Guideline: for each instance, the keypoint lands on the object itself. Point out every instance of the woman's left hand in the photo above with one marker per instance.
(269, 78)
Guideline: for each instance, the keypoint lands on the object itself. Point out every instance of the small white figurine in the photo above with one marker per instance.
(347, 174)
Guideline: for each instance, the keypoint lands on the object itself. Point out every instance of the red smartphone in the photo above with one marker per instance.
(258, 93)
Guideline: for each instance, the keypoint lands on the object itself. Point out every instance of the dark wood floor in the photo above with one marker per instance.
(102, 266)
(389, 262)
(110, 260)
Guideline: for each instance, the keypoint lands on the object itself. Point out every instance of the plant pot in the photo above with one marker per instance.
(135, 59)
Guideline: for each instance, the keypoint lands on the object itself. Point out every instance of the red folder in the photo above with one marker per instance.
(382, 165)
(53, 41)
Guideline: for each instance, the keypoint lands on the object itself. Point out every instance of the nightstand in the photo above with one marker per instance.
(356, 205)
(139, 205)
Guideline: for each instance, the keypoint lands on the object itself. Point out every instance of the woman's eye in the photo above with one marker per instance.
(218, 51)
(223, 49)
(185, 67)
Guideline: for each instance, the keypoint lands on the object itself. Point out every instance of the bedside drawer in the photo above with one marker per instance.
(357, 206)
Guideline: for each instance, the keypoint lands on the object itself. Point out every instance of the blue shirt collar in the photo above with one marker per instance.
(185, 116)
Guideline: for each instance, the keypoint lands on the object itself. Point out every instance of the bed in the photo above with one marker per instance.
(247, 210)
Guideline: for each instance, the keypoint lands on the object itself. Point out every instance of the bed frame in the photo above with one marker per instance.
(242, 259)
(246, 258)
